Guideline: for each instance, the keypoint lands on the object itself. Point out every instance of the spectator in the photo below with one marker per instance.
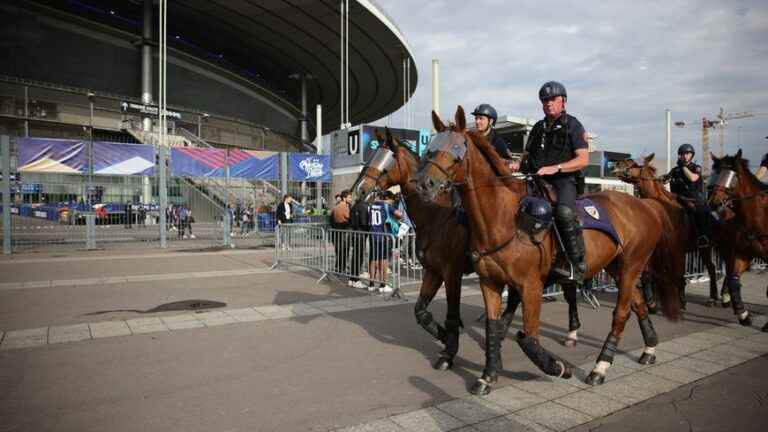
(381, 241)
(339, 236)
(182, 221)
(142, 216)
(285, 210)
(360, 223)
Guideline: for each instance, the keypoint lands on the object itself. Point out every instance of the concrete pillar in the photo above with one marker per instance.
(5, 189)
(284, 173)
(146, 62)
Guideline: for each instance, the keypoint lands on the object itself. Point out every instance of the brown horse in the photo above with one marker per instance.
(741, 201)
(644, 178)
(458, 158)
(442, 243)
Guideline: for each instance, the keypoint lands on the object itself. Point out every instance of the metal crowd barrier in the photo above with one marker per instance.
(346, 254)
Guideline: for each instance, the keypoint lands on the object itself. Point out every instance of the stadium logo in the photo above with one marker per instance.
(312, 167)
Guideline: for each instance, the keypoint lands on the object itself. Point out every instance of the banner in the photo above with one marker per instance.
(309, 167)
(45, 155)
(206, 162)
(52, 156)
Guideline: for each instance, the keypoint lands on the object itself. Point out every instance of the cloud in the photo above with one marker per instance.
(623, 63)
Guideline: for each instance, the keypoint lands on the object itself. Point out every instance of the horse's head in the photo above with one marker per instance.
(392, 164)
(444, 164)
(631, 172)
(727, 182)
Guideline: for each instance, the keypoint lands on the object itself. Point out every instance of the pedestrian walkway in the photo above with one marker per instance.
(548, 404)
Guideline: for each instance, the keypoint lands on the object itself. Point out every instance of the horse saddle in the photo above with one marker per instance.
(536, 215)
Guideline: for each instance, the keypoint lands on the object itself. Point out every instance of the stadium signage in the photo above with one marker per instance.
(136, 108)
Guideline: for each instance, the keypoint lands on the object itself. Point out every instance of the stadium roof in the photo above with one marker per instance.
(266, 41)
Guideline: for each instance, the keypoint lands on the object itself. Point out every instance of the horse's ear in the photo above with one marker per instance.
(379, 137)
(437, 123)
(738, 155)
(714, 158)
(649, 158)
(391, 143)
(461, 119)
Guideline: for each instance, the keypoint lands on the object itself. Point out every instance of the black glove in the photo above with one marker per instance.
(680, 163)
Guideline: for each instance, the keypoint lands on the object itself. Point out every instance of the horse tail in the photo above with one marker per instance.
(666, 271)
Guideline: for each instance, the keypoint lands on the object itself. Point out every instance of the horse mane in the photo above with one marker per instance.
(489, 152)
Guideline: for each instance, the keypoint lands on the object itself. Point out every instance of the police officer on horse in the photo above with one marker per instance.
(557, 150)
(485, 123)
(686, 181)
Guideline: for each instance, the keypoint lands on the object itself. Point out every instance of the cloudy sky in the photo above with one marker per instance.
(622, 62)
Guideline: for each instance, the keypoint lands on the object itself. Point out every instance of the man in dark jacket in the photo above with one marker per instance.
(557, 151)
(359, 222)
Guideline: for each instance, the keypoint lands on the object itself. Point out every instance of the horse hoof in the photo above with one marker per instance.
(443, 364)
(481, 387)
(594, 379)
(570, 343)
(746, 322)
(567, 372)
(646, 359)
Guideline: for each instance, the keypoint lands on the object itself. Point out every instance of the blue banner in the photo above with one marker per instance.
(309, 167)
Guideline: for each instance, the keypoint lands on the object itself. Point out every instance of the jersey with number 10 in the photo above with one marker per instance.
(378, 214)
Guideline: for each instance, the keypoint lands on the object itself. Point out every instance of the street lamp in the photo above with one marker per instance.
(200, 118)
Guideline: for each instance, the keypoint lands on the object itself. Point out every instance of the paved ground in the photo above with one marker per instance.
(95, 342)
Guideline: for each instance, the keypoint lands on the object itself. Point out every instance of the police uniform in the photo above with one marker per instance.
(764, 162)
(680, 184)
(499, 144)
(552, 143)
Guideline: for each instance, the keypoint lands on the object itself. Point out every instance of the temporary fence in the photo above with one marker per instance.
(347, 254)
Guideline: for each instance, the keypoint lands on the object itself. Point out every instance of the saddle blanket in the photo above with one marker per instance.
(593, 217)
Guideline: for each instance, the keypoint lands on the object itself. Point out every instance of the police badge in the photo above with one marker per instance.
(592, 211)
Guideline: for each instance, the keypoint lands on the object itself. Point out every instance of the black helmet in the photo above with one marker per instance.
(486, 110)
(686, 148)
(552, 89)
(534, 215)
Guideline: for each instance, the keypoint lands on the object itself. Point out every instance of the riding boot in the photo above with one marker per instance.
(701, 220)
(573, 240)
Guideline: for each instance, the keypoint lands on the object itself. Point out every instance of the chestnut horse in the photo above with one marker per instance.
(442, 245)
(644, 178)
(458, 158)
(741, 202)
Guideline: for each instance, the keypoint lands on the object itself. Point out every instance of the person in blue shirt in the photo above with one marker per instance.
(381, 240)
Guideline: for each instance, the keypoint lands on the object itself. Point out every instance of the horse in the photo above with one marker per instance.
(464, 160)
(741, 202)
(442, 243)
(644, 178)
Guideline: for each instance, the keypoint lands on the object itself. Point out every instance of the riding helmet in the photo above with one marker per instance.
(552, 89)
(686, 148)
(486, 110)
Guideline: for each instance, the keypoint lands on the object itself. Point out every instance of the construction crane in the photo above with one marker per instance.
(719, 122)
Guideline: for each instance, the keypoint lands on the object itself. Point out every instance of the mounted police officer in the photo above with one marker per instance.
(557, 150)
(686, 181)
(485, 123)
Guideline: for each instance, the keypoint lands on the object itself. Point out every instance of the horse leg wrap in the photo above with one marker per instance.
(651, 340)
(549, 363)
(452, 326)
(734, 286)
(609, 349)
(494, 334)
(425, 319)
(573, 311)
(682, 291)
(649, 334)
(647, 289)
